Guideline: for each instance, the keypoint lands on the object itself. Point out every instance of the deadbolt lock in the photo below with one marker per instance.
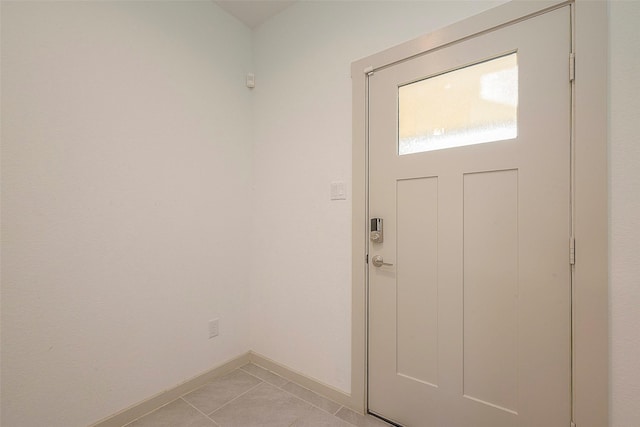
(375, 233)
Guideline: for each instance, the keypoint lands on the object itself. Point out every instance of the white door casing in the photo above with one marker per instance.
(471, 326)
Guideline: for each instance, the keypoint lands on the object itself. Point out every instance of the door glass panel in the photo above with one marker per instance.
(471, 105)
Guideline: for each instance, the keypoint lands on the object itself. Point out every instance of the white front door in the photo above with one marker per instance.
(469, 170)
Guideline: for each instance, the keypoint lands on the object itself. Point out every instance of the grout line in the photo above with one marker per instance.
(261, 382)
(269, 384)
(225, 404)
(150, 412)
(271, 372)
(343, 420)
(297, 397)
(257, 377)
(208, 417)
(238, 396)
(311, 391)
(252, 374)
(306, 401)
(365, 417)
(301, 386)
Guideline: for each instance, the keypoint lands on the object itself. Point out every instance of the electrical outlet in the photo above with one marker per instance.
(213, 328)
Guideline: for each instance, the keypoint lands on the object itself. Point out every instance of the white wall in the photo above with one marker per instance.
(125, 202)
(624, 193)
(125, 140)
(301, 279)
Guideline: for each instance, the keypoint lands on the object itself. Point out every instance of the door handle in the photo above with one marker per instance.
(378, 261)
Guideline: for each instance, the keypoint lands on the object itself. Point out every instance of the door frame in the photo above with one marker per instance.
(589, 192)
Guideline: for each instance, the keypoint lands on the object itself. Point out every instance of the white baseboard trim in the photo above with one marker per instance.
(139, 409)
(136, 411)
(305, 381)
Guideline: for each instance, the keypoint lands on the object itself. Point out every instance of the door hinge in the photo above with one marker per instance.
(366, 258)
(572, 424)
(572, 251)
(572, 66)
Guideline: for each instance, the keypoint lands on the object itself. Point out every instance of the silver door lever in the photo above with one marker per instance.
(378, 261)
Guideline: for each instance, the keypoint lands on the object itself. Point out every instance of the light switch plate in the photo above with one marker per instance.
(214, 328)
(338, 190)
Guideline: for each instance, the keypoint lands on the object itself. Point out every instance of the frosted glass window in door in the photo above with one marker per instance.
(471, 105)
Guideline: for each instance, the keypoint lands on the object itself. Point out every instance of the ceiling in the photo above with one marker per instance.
(254, 12)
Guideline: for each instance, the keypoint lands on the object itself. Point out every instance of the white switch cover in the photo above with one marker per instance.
(338, 190)
(251, 80)
(213, 328)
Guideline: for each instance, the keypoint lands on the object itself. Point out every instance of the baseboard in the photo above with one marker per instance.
(312, 384)
(136, 411)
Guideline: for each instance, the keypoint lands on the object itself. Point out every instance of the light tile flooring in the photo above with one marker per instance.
(250, 397)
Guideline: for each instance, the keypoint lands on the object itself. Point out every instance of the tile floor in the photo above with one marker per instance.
(250, 397)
